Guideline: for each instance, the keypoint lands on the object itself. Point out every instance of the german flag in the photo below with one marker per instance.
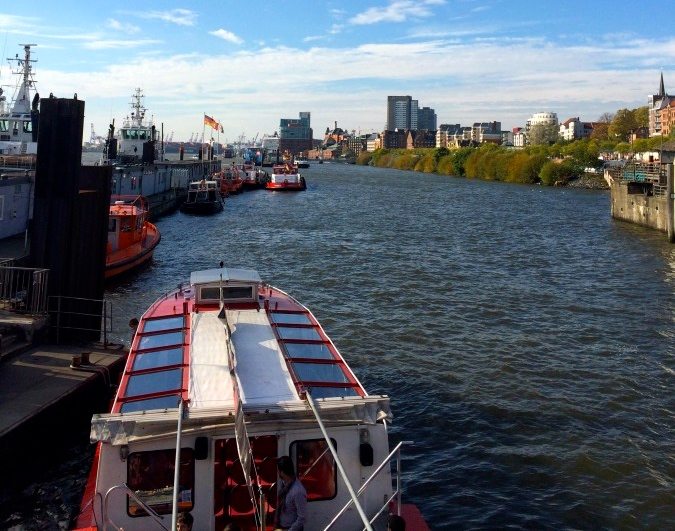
(211, 122)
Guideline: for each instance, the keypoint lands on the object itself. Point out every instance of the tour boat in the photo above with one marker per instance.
(131, 237)
(203, 198)
(285, 176)
(236, 373)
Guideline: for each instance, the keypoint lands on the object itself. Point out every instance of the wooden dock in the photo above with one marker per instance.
(44, 395)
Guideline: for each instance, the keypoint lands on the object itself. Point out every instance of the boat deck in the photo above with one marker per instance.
(181, 348)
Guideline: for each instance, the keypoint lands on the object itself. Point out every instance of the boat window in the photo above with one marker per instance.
(112, 224)
(320, 372)
(4, 126)
(316, 468)
(141, 134)
(290, 318)
(27, 126)
(170, 323)
(160, 402)
(286, 332)
(308, 350)
(161, 340)
(154, 382)
(333, 392)
(229, 293)
(158, 358)
(150, 476)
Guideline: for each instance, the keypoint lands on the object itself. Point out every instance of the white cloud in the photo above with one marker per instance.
(396, 11)
(103, 44)
(116, 25)
(504, 80)
(181, 17)
(227, 36)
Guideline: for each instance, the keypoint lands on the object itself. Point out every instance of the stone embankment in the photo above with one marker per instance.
(589, 181)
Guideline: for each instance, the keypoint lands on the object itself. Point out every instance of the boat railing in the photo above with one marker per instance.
(23, 289)
(124, 487)
(70, 316)
(396, 495)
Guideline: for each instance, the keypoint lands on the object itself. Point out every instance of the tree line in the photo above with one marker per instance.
(547, 160)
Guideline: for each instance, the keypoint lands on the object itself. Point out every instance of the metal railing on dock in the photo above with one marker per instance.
(80, 319)
(23, 289)
(650, 177)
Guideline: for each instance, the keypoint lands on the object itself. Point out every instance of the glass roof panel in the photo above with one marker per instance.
(286, 332)
(320, 372)
(290, 318)
(308, 350)
(161, 340)
(161, 402)
(154, 382)
(159, 358)
(167, 323)
(332, 392)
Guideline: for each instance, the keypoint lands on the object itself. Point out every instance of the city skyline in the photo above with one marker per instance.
(250, 66)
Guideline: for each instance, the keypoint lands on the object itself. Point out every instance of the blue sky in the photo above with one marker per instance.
(248, 64)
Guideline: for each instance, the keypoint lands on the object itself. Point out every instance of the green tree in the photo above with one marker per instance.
(543, 134)
(642, 116)
(600, 131)
(364, 158)
(623, 124)
(459, 160)
(552, 172)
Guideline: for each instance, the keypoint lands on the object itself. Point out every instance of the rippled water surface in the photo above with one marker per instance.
(526, 339)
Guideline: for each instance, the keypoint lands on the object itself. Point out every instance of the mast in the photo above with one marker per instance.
(138, 110)
(22, 100)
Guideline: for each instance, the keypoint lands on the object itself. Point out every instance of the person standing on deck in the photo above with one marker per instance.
(292, 502)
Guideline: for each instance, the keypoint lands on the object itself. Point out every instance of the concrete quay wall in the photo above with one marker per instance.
(632, 205)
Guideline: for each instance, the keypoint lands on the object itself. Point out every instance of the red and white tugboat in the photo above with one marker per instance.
(236, 373)
(286, 176)
(131, 237)
(252, 176)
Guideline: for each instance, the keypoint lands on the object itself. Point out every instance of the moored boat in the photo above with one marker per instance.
(252, 176)
(301, 163)
(229, 181)
(236, 373)
(131, 237)
(19, 124)
(203, 198)
(285, 176)
(135, 153)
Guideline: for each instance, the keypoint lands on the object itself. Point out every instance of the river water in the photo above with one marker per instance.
(526, 339)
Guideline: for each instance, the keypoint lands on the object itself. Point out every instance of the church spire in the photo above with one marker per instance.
(662, 90)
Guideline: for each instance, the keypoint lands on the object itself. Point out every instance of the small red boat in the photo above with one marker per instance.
(131, 237)
(286, 176)
(229, 180)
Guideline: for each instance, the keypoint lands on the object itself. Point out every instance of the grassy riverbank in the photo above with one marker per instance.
(538, 164)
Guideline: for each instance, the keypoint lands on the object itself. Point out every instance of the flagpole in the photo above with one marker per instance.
(203, 131)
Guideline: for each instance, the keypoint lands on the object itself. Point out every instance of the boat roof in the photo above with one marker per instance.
(224, 274)
(228, 340)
